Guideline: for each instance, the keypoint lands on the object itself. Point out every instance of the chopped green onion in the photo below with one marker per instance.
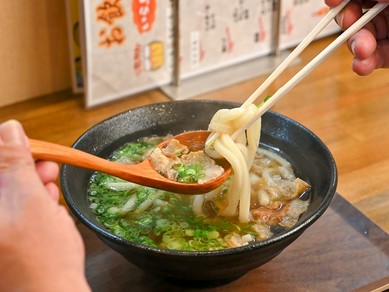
(265, 100)
(189, 173)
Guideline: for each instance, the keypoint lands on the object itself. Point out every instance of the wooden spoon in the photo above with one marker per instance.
(142, 173)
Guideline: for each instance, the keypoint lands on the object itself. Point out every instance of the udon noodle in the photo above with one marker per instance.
(239, 153)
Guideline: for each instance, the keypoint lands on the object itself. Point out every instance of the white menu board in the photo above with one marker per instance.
(218, 33)
(128, 47)
(299, 17)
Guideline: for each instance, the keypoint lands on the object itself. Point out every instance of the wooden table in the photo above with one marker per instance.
(343, 250)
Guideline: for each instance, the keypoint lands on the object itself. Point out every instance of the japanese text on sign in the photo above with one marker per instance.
(144, 14)
(108, 12)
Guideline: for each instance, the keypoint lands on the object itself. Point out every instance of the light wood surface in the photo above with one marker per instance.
(34, 49)
(349, 113)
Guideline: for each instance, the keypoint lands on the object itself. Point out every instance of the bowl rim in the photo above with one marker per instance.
(101, 232)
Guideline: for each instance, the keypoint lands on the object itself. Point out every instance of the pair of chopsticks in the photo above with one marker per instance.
(369, 15)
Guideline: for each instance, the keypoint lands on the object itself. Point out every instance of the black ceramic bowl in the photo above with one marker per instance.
(310, 157)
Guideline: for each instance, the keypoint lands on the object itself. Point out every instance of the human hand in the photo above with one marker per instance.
(40, 247)
(370, 46)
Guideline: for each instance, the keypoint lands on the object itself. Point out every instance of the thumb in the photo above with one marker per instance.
(14, 148)
(17, 167)
(19, 174)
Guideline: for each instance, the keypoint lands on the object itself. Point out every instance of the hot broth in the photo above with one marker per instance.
(197, 223)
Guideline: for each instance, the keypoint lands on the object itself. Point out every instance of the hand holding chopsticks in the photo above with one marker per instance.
(369, 15)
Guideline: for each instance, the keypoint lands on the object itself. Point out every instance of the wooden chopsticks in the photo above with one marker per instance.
(369, 15)
(296, 52)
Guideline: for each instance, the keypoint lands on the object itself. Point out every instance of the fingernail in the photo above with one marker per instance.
(339, 19)
(352, 46)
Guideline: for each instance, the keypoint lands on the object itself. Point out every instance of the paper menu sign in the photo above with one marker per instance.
(128, 47)
(72, 13)
(299, 17)
(218, 33)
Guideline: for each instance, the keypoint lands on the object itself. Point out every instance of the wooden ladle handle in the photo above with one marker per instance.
(142, 173)
(62, 154)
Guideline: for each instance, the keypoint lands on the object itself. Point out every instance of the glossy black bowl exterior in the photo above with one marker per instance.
(311, 159)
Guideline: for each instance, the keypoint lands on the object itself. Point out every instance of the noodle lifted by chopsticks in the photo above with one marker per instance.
(239, 153)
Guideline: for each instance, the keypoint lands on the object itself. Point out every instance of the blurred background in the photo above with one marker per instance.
(34, 49)
(111, 49)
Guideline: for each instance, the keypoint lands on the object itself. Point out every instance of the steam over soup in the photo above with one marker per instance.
(197, 223)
